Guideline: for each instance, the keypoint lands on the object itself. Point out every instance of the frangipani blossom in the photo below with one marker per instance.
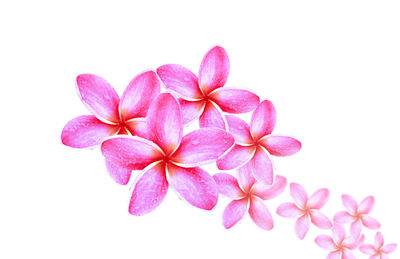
(203, 97)
(255, 143)
(248, 195)
(305, 209)
(111, 115)
(379, 250)
(357, 215)
(169, 158)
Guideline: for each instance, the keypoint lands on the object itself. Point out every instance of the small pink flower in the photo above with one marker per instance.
(305, 209)
(169, 158)
(379, 250)
(203, 97)
(255, 143)
(248, 194)
(357, 214)
(339, 245)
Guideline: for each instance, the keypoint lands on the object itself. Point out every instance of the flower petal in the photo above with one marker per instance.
(280, 145)
(263, 120)
(86, 131)
(319, 198)
(99, 97)
(366, 205)
(320, 220)
(346, 254)
(261, 166)
(234, 212)
(389, 248)
(379, 240)
(367, 249)
(260, 214)
(245, 177)
(288, 210)
(334, 255)
(149, 191)
(228, 185)
(180, 80)
(194, 185)
(298, 194)
(355, 229)
(339, 233)
(191, 110)
(202, 146)
(138, 127)
(270, 192)
(214, 69)
(325, 241)
(212, 117)
(370, 222)
(349, 203)
(236, 157)
(235, 100)
(120, 175)
(302, 226)
(343, 217)
(239, 130)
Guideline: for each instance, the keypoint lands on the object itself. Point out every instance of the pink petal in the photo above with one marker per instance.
(339, 233)
(379, 241)
(180, 80)
(389, 248)
(370, 222)
(234, 212)
(120, 175)
(325, 241)
(319, 198)
(262, 167)
(355, 229)
(270, 192)
(298, 194)
(149, 191)
(86, 131)
(194, 185)
(228, 185)
(260, 215)
(212, 117)
(263, 120)
(302, 226)
(280, 145)
(99, 97)
(343, 217)
(235, 100)
(191, 110)
(245, 177)
(334, 255)
(130, 152)
(138, 95)
(288, 210)
(366, 205)
(164, 120)
(384, 257)
(214, 69)
(236, 157)
(320, 220)
(367, 249)
(239, 129)
(349, 203)
(138, 127)
(346, 254)
(202, 146)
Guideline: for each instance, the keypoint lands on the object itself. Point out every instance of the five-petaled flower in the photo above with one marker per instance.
(379, 250)
(305, 208)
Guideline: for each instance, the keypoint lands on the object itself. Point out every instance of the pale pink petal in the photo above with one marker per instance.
(138, 127)
(263, 120)
(370, 222)
(138, 95)
(288, 210)
(235, 100)
(99, 97)
(339, 233)
(302, 226)
(164, 121)
(245, 177)
(320, 220)
(298, 194)
(234, 212)
(367, 249)
(346, 254)
(318, 199)
(384, 257)
(351, 243)
(202, 146)
(236, 157)
(343, 217)
(261, 166)
(349, 203)
(280, 145)
(180, 80)
(270, 192)
(194, 185)
(260, 214)
(239, 129)
(191, 110)
(149, 191)
(325, 241)
(212, 117)
(130, 152)
(355, 229)
(214, 69)
(389, 248)
(379, 241)
(120, 175)
(228, 185)
(333, 255)
(366, 205)
(86, 131)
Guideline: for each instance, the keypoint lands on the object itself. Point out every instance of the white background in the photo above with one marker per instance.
(330, 67)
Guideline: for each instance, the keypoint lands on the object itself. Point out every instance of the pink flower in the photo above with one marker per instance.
(339, 245)
(379, 250)
(169, 158)
(247, 194)
(203, 97)
(305, 209)
(255, 143)
(357, 214)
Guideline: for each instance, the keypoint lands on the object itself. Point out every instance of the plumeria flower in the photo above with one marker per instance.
(203, 97)
(379, 250)
(255, 143)
(357, 215)
(339, 245)
(247, 194)
(111, 115)
(169, 158)
(305, 209)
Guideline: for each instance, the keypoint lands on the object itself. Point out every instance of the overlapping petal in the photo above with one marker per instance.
(355, 229)
(272, 191)
(346, 254)
(191, 110)
(261, 166)
(320, 220)
(120, 175)
(260, 214)
(367, 249)
(325, 241)
(138, 127)
(228, 185)
(343, 217)
(236, 157)
(245, 177)
(234, 212)
(302, 226)
(280, 145)
(235, 100)
(263, 120)
(239, 129)
(339, 233)
(212, 117)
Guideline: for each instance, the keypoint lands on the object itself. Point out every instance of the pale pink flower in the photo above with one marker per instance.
(248, 194)
(338, 244)
(305, 209)
(203, 97)
(169, 158)
(379, 250)
(255, 143)
(357, 214)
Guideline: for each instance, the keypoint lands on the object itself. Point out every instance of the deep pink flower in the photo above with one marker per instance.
(379, 250)
(203, 97)
(339, 245)
(248, 194)
(357, 215)
(169, 158)
(255, 143)
(305, 209)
